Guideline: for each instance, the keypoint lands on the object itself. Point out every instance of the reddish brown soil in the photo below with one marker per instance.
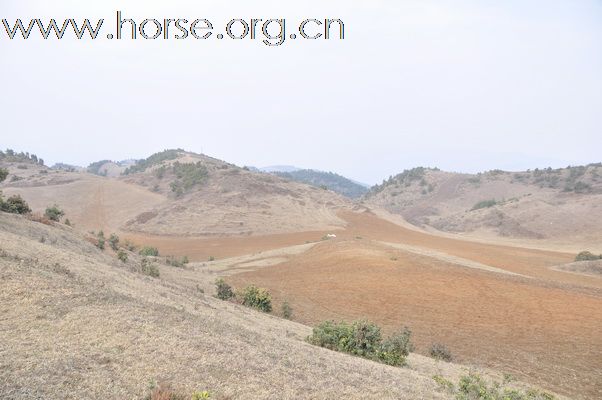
(545, 328)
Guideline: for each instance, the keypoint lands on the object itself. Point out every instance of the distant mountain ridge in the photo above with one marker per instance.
(326, 180)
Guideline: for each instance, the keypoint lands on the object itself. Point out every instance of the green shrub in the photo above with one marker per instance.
(54, 213)
(3, 174)
(287, 310)
(484, 204)
(114, 241)
(258, 298)
(122, 256)
(67, 222)
(211, 258)
(396, 348)
(224, 291)
(14, 205)
(101, 240)
(440, 352)
(363, 339)
(148, 251)
(475, 387)
(587, 256)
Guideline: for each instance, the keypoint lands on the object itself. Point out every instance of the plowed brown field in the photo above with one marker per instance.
(544, 327)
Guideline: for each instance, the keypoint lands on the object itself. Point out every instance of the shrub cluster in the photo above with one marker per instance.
(149, 251)
(475, 387)
(363, 339)
(224, 291)
(587, 256)
(484, 204)
(188, 176)
(54, 213)
(14, 205)
(258, 298)
(114, 242)
(251, 296)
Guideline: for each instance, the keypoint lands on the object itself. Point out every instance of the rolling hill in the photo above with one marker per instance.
(555, 204)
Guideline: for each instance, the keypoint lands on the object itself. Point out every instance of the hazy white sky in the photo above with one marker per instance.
(462, 85)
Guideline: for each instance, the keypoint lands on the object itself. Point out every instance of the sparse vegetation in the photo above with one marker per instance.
(440, 352)
(14, 205)
(100, 243)
(326, 181)
(587, 256)
(12, 156)
(114, 242)
(148, 251)
(474, 387)
(154, 159)
(147, 267)
(287, 310)
(363, 339)
(257, 298)
(484, 204)
(224, 291)
(3, 174)
(54, 213)
(122, 256)
(177, 262)
(188, 176)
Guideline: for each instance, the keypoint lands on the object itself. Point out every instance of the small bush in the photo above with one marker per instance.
(211, 258)
(148, 268)
(114, 242)
(148, 251)
(101, 240)
(15, 205)
(587, 256)
(3, 174)
(201, 395)
(224, 291)
(258, 298)
(67, 222)
(287, 310)
(54, 213)
(122, 256)
(484, 204)
(396, 348)
(440, 352)
(475, 387)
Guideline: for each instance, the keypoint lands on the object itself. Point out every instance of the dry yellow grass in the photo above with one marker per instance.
(78, 324)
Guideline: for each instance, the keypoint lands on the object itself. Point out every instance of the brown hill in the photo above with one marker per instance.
(180, 193)
(555, 204)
